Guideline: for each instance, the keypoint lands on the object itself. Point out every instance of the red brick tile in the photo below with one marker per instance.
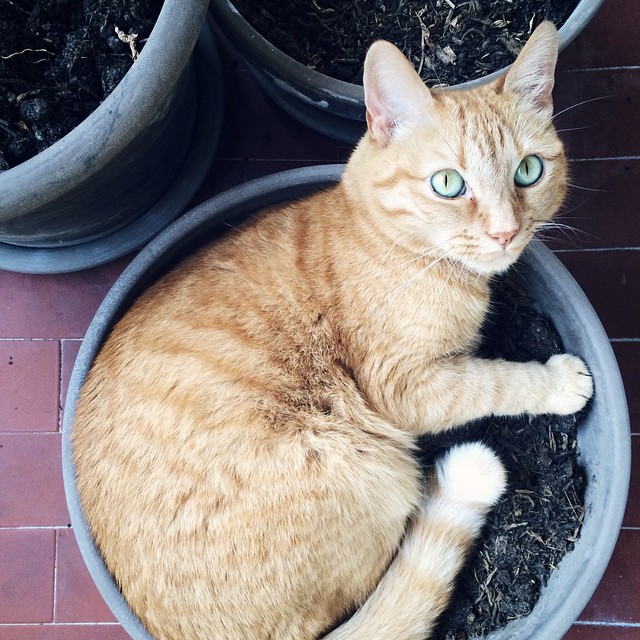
(601, 207)
(611, 99)
(77, 597)
(628, 357)
(602, 632)
(69, 351)
(64, 632)
(32, 493)
(26, 575)
(632, 515)
(611, 281)
(609, 40)
(617, 598)
(29, 374)
(53, 306)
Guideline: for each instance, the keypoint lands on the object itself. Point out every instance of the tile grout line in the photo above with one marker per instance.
(60, 385)
(59, 624)
(30, 433)
(596, 249)
(35, 527)
(55, 575)
(22, 339)
(593, 623)
(602, 158)
(625, 67)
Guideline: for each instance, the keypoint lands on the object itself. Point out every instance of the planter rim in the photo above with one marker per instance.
(606, 496)
(297, 74)
(178, 23)
(92, 253)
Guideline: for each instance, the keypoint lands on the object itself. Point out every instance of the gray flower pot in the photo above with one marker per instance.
(333, 107)
(130, 167)
(604, 438)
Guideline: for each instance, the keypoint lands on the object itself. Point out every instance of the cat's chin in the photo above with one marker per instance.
(489, 264)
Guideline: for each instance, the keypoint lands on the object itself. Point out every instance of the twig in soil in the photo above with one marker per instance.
(130, 39)
(19, 53)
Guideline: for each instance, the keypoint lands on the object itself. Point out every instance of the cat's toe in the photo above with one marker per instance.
(472, 473)
(571, 382)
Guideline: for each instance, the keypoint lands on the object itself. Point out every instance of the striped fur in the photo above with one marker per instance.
(244, 441)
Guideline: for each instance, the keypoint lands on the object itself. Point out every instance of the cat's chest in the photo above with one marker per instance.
(441, 317)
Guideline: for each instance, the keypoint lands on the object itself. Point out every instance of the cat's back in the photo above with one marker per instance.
(213, 430)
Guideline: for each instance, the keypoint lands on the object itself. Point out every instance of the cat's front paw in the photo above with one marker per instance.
(571, 384)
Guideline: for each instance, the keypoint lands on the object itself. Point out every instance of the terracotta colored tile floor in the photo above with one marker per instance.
(45, 590)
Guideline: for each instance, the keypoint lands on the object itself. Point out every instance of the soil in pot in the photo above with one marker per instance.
(59, 59)
(540, 516)
(448, 41)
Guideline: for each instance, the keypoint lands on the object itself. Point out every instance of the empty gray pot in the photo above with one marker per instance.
(604, 438)
(130, 167)
(333, 107)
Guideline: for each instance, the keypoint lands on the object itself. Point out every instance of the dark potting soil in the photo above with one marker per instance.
(540, 516)
(448, 41)
(59, 59)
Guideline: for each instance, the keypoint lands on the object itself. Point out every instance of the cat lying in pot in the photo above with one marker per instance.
(244, 442)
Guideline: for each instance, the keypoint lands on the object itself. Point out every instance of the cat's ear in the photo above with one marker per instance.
(394, 93)
(532, 75)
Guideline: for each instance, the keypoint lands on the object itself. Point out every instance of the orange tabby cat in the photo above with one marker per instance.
(245, 440)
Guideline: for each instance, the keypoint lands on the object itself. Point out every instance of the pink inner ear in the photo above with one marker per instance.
(393, 91)
(378, 123)
(533, 81)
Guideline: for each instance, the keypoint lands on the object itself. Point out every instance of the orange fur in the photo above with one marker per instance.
(244, 441)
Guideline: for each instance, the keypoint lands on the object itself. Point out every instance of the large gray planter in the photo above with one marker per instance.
(333, 107)
(129, 168)
(603, 439)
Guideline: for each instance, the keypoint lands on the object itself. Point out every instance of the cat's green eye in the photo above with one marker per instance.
(529, 171)
(448, 183)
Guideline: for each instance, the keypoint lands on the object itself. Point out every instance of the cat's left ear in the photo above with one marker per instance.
(394, 93)
(532, 75)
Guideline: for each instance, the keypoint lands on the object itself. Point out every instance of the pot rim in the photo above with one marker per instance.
(607, 461)
(296, 74)
(138, 94)
(94, 252)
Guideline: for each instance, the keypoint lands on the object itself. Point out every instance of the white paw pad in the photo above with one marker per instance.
(471, 473)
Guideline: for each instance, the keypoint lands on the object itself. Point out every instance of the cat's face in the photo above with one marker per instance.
(466, 175)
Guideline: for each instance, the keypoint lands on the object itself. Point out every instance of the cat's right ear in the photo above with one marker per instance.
(394, 93)
(531, 76)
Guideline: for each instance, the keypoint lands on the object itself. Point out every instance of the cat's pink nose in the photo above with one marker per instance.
(504, 238)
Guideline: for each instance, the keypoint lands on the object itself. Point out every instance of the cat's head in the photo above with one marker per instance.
(470, 174)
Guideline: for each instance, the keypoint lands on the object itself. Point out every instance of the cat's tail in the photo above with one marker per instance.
(418, 584)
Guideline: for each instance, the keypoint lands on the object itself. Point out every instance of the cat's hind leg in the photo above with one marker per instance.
(418, 584)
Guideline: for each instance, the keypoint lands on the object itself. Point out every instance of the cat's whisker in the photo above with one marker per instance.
(572, 234)
(422, 271)
(431, 251)
(453, 272)
(588, 126)
(565, 213)
(579, 104)
(573, 106)
(577, 186)
(455, 155)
